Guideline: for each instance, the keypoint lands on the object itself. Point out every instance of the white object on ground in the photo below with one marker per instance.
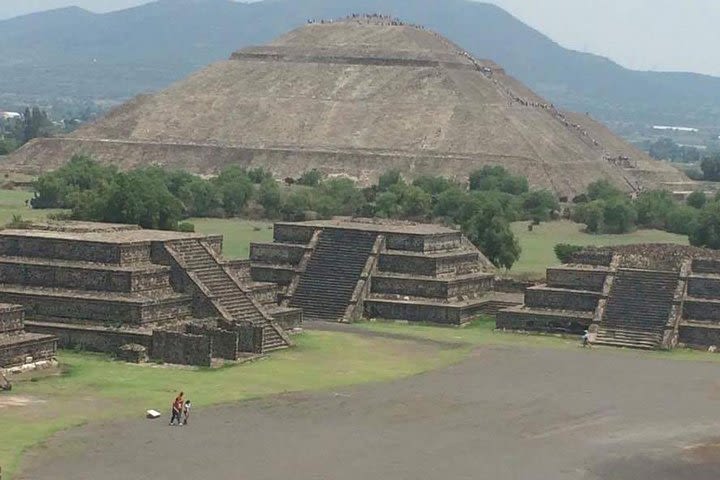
(153, 414)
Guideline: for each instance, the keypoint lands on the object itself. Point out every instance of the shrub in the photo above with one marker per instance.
(697, 199)
(186, 227)
(564, 251)
(311, 178)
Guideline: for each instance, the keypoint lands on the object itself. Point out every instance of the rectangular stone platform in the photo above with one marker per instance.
(17, 346)
(441, 288)
(76, 306)
(543, 320)
(42, 272)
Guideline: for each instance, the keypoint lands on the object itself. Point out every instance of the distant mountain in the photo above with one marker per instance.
(75, 53)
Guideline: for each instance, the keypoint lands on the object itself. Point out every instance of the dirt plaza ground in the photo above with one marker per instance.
(506, 412)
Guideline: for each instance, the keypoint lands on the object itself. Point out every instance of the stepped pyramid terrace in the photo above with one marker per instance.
(640, 296)
(169, 296)
(345, 269)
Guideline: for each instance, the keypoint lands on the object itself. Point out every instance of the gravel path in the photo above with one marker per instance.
(504, 413)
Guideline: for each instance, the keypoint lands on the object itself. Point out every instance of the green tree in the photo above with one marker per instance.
(340, 196)
(432, 185)
(387, 205)
(697, 199)
(565, 251)
(235, 189)
(389, 179)
(415, 202)
(497, 178)
(710, 167)
(493, 236)
(592, 214)
(707, 231)
(450, 203)
(602, 190)
(59, 189)
(259, 175)
(311, 178)
(539, 205)
(682, 219)
(270, 197)
(619, 215)
(654, 207)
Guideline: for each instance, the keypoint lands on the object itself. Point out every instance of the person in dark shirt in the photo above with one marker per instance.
(177, 408)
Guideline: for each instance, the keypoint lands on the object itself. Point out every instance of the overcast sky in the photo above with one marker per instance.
(642, 34)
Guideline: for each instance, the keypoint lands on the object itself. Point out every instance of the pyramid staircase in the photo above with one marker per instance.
(638, 308)
(236, 304)
(325, 288)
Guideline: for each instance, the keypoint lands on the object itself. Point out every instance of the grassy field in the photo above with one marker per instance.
(537, 246)
(237, 233)
(12, 202)
(95, 388)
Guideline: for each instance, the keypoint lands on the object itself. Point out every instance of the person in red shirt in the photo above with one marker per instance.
(177, 408)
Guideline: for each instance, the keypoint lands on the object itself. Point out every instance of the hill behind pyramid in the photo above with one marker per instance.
(355, 97)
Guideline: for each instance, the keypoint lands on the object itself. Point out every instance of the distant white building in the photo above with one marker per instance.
(675, 129)
(9, 115)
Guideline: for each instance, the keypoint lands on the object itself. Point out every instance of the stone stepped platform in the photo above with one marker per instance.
(431, 287)
(704, 285)
(638, 308)
(215, 282)
(577, 277)
(699, 334)
(41, 272)
(544, 297)
(456, 312)
(17, 345)
(270, 273)
(544, 320)
(705, 310)
(450, 263)
(327, 284)
(78, 306)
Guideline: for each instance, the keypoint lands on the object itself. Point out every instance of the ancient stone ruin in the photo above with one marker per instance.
(356, 97)
(346, 269)
(17, 346)
(640, 296)
(103, 287)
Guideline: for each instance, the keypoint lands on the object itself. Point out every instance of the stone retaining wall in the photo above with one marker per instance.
(273, 274)
(701, 310)
(224, 342)
(115, 312)
(84, 277)
(422, 242)
(706, 287)
(293, 233)
(696, 336)
(576, 279)
(95, 339)
(75, 250)
(706, 265)
(460, 263)
(181, 348)
(276, 254)
(543, 297)
(17, 353)
(11, 319)
(430, 288)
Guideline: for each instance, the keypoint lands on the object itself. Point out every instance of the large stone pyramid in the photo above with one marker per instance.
(356, 97)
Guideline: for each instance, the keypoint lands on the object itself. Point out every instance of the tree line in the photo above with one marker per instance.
(153, 197)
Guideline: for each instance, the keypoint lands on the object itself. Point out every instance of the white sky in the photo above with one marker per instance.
(642, 34)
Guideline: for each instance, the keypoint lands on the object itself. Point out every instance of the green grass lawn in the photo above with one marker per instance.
(237, 233)
(95, 388)
(537, 246)
(12, 202)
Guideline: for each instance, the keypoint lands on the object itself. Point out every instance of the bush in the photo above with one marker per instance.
(433, 185)
(270, 197)
(259, 175)
(497, 178)
(710, 167)
(186, 227)
(707, 231)
(653, 208)
(539, 205)
(603, 190)
(311, 178)
(696, 199)
(564, 251)
(619, 215)
(592, 214)
(492, 235)
(389, 179)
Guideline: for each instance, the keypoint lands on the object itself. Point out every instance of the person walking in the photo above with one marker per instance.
(177, 408)
(586, 340)
(186, 411)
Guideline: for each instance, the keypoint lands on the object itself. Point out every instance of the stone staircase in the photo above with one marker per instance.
(326, 286)
(637, 308)
(225, 290)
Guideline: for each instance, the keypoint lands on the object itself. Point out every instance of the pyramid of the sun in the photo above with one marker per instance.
(355, 97)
